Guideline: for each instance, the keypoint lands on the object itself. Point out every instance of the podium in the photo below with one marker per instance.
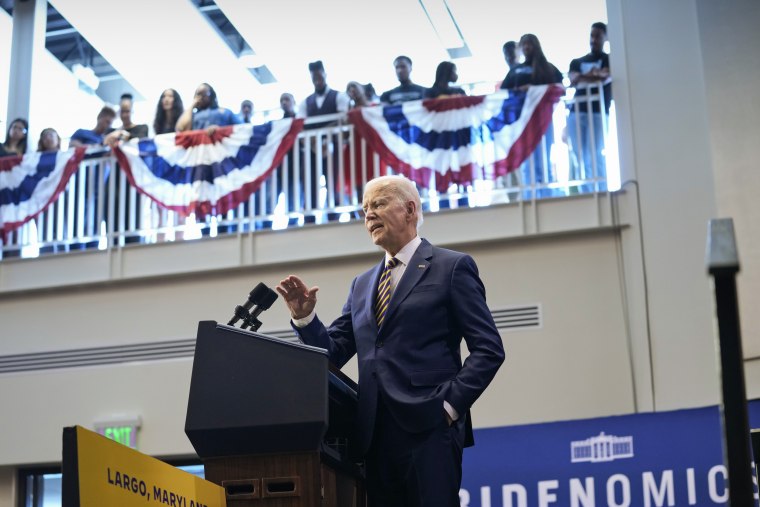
(272, 421)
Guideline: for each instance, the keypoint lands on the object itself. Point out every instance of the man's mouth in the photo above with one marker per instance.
(375, 227)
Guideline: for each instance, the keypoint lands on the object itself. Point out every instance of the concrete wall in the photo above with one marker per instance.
(577, 364)
(730, 45)
(664, 141)
(685, 77)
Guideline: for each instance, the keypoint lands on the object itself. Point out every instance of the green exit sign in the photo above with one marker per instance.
(123, 432)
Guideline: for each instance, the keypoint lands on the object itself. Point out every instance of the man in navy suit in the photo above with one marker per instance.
(405, 319)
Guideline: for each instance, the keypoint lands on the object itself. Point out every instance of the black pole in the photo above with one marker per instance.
(723, 265)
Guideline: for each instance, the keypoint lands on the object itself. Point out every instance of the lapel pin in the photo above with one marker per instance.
(421, 266)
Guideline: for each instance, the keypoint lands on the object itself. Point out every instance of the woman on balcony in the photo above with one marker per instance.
(15, 138)
(168, 111)
(535, 70)
(445, 74)
(50, 141)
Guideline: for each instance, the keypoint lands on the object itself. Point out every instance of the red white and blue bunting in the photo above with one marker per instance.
(29, 184)
(193, 172)
(454, 137)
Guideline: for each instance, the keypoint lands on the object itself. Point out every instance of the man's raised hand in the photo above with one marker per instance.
(300, 299)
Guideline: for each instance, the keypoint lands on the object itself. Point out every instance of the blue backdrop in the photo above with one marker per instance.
(653, 459)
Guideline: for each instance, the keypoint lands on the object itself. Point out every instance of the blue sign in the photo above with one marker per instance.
(654, 459)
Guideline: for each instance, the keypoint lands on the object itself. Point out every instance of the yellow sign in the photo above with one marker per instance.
(115, 475)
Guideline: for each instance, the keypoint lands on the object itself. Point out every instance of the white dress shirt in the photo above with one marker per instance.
(342, 102)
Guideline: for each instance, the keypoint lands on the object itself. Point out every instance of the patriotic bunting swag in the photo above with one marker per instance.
(30, 184)
(457, 136)
(454, 139)
(196, 173)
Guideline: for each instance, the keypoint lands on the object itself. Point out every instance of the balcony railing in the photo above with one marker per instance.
(320, 180)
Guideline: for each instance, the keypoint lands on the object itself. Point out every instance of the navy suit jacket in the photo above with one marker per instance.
(413, 360)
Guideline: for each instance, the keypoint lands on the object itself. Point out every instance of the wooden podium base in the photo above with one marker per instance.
(310, 479)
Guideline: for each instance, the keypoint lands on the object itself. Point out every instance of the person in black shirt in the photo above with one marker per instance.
(168, 111)
(445, 74)
(16, 138)
(510, 53)
(535, 70)
(128, 129)
(408, 90)
(590, 75)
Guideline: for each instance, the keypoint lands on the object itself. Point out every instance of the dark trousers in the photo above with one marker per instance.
(414, 469)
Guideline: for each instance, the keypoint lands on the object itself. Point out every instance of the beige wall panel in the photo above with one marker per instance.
(730, 44)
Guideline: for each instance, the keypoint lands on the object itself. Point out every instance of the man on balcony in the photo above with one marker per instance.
(407, 90)
(288, 105)
(586, 131)
(323, 101)
(97, 135)
(246, 111)
(405, 319)
(205, 112)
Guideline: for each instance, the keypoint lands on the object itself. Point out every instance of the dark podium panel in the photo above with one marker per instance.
(272, 421)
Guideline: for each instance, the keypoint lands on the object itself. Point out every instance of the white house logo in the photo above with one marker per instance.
(601, 448)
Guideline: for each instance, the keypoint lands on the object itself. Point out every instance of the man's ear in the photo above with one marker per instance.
(411, 208)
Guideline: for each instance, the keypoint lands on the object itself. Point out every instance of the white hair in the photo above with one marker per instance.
(402, 188)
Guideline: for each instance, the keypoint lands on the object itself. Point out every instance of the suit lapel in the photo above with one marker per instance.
(415, 270)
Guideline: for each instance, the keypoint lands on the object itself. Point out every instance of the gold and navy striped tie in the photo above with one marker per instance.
(384, 291)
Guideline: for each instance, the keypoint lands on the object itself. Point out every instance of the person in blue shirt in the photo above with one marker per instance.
(246, 111)
(205, 112)
(97, 135)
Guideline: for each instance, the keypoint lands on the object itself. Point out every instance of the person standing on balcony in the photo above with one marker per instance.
(50, 141)
(205, 112)
(353, 179)
(246, 111)
(356, 93)
(509, 49)
(128, 128)
(323, 101)
(406, 90)
(370, 94)
(510, 53)
(535, 70)
(445, 74)
(405, 319)
(83, 137)
(168, 111)
(16, 138)
(590, 75)
(288, 105)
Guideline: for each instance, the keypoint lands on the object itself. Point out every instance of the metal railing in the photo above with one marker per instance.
(320, 180)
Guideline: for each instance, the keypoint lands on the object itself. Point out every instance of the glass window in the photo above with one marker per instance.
(42, 488)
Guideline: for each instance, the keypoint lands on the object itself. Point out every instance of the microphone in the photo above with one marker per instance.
(254, 298)
(264, 303)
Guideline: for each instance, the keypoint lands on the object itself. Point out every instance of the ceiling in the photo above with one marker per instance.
(146, 46)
